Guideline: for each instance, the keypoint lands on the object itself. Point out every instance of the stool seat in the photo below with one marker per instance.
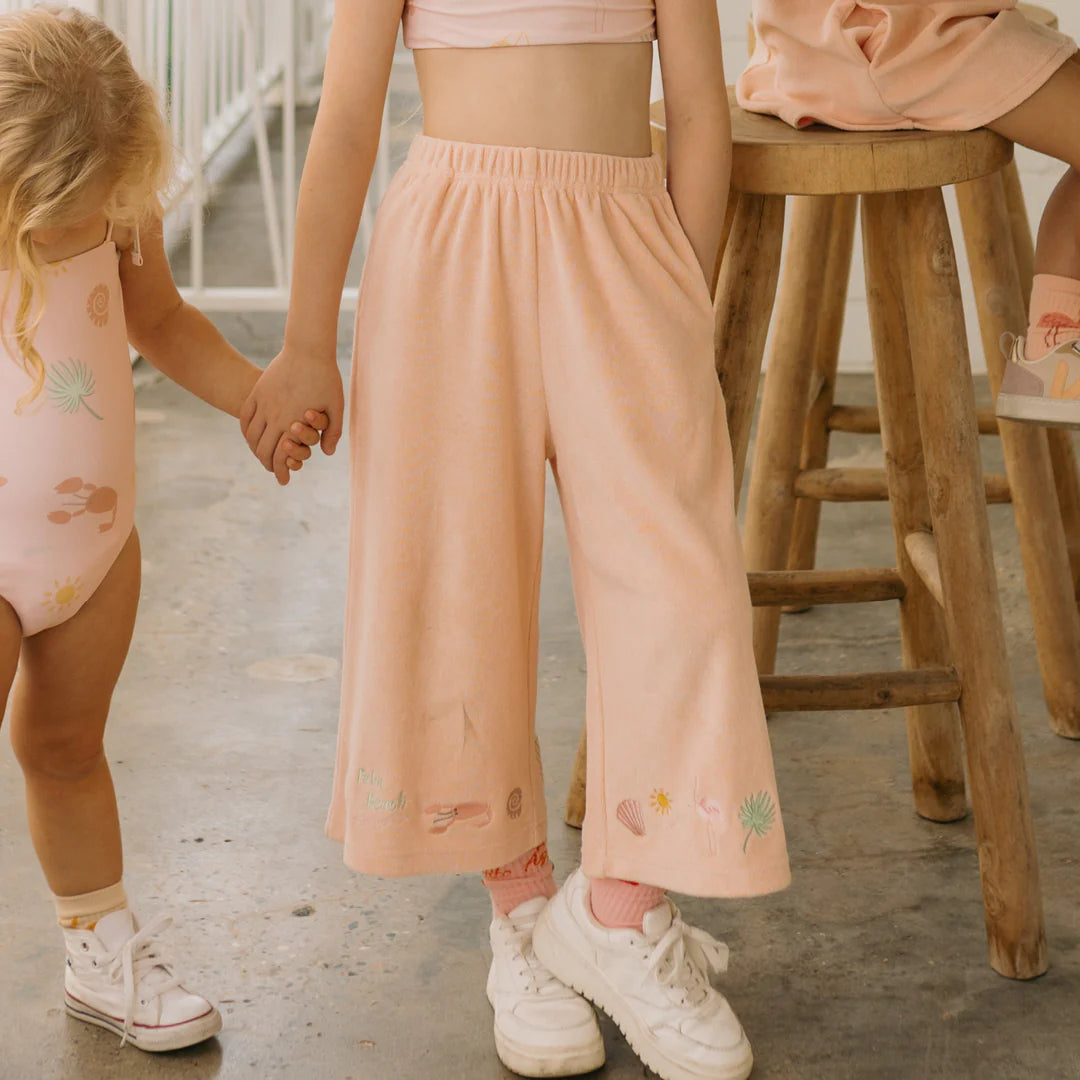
(772, 158)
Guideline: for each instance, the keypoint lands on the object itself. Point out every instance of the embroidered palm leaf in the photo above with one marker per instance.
(70, 384)
(757, 814)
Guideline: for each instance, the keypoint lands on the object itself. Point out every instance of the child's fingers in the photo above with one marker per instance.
(278, 464)
(301, 433)
(318, 420)
(296, 450)
(293, 465)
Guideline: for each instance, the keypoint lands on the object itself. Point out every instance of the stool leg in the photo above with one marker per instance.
(999, 792)
(830, 327)
(575, 800)
(996, 278)
(770, 507)
(745, 292)
(1062, 455)
(934, 746)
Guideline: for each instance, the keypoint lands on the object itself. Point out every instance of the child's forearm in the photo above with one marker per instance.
(699, 174)
(698, 122)
(337, 169)
(190, 350)
(332, 193)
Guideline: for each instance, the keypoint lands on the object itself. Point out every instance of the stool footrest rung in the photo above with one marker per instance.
(864, 420)
(776, 588)
(871, 485)
(872, 690)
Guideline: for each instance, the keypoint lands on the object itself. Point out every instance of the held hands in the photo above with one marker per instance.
(293, 385)
(295, 445)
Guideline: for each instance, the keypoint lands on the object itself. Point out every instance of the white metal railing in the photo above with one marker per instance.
(221, 66)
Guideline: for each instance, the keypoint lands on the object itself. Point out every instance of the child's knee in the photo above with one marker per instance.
(66, 754)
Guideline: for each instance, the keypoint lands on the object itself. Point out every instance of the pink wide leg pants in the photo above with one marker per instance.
(521, 307)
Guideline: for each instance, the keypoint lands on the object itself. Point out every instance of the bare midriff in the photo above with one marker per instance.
(592, 98)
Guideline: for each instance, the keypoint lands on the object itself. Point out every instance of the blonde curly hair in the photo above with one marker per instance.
(73, 113)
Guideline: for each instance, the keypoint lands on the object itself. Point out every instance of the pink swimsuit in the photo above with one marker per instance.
(936, 64)
(67, 463)
(481, 24)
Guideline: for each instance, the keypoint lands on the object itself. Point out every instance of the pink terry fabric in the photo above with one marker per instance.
(483, 24)
(520, 308)
(934, 64)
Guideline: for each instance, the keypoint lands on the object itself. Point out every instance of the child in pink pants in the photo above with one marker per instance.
(537, 293)
(949, 65)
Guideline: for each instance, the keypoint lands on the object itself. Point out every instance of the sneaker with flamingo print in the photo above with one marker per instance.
(1044, 390)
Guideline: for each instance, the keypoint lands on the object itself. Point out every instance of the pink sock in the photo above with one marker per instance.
(622, 904)
(528, 876)
(1055, 313)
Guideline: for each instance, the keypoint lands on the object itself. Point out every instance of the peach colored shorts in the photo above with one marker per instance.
(950, 65)
(521, 307)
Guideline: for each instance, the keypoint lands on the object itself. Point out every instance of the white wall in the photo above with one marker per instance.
(1039, 176)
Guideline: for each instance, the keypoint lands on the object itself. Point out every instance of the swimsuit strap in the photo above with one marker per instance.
(136, 247)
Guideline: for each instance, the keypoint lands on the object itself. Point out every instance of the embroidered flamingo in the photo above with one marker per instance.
(1054, 322)
(712, 811)
(3, 480)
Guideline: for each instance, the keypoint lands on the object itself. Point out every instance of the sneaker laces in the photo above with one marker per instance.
(136, 962)
(536, 978)
(683, 959)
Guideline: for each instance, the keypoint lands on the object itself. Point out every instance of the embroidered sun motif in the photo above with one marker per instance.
(660, 801)
(97, 305)
(62, 596)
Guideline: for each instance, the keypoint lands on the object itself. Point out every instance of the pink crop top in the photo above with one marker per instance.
(481, 24)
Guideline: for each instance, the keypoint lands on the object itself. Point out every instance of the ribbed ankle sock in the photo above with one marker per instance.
(82, 912)
(620, 904)
(528, 876)
(1055, 314)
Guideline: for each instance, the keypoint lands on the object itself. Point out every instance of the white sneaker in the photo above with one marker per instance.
(117, 979)
(654, 985)
(541, 1027)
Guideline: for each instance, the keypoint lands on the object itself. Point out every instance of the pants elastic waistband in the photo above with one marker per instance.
(528, 165)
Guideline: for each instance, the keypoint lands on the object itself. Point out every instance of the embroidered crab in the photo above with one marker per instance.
(87, 499)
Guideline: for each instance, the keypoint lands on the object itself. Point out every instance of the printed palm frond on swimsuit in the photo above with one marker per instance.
(70, 384)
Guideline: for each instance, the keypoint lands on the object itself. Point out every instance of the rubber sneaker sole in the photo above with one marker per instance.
(524, 1061)
(564, 962)
(1046, 412)
(151, 1039)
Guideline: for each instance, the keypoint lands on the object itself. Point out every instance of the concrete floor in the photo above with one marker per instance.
(873, 964)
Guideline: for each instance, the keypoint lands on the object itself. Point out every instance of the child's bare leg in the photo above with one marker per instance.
(10, 643)
(1042, 383)
(60, 706)
(1046, 122)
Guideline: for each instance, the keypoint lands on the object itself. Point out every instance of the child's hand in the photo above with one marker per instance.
(296, 443)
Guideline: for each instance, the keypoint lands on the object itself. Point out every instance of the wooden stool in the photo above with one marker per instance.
(953, 638)
(1043, 480)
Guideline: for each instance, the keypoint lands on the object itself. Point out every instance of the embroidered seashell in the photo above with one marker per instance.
(630, 814)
